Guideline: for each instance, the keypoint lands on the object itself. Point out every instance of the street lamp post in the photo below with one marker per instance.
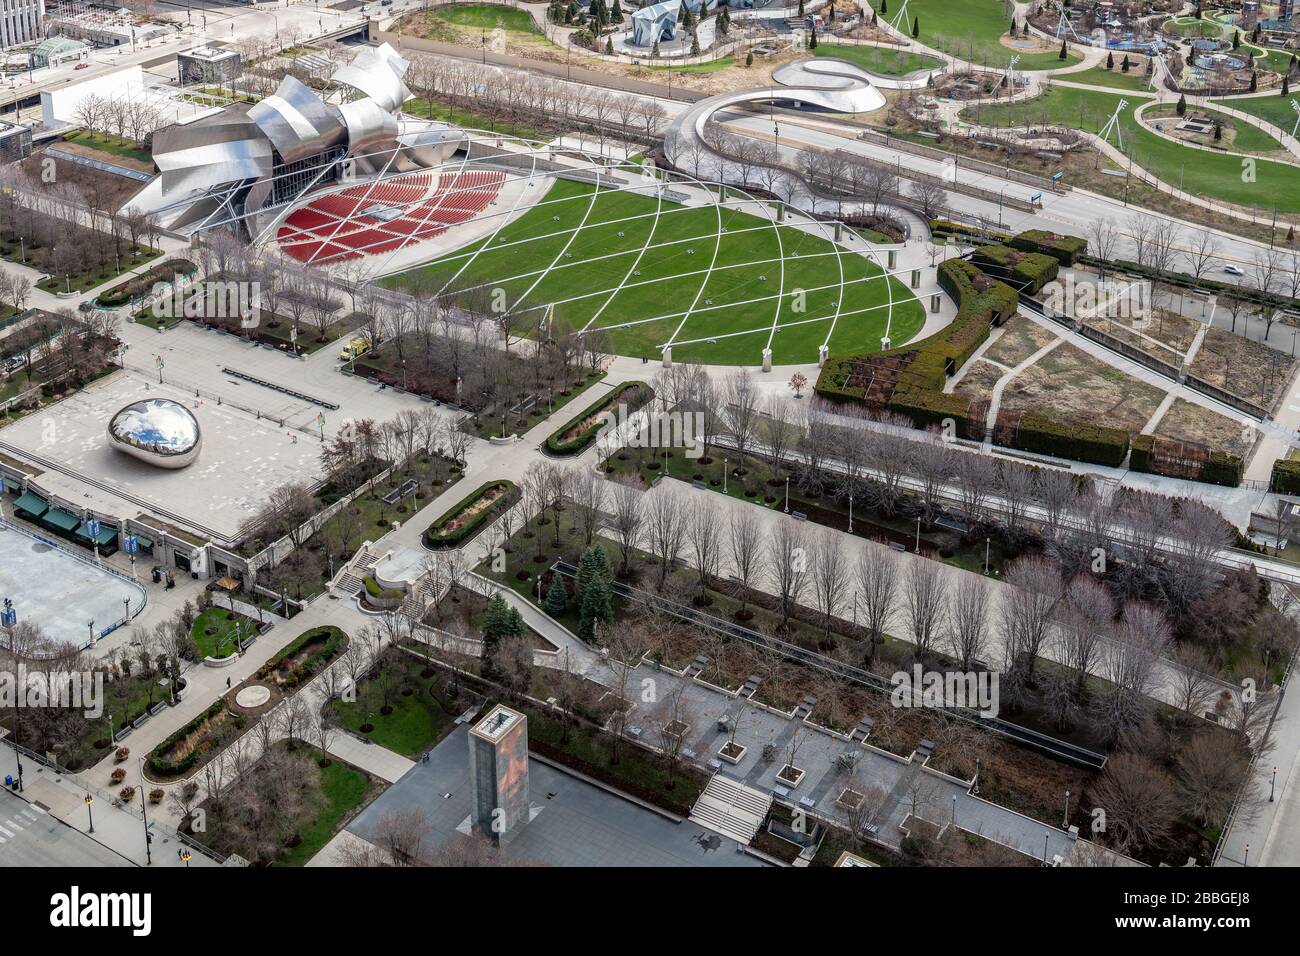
(9, 618)
(850, 514)
(1065, 821)
(986, 555)
(1272, 785)
(787, 494)
(725, 469)
(88, 799)
(918, 534)
(144, 808)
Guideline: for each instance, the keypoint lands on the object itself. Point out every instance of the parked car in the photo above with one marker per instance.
(1233, 270)
(82, 66)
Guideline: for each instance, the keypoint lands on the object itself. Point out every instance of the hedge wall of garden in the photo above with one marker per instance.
(432, 537)
(1285, 479)
(1220, 468)
(1029, 271)
(635, 394)
(1064, 249)
(1081, 441)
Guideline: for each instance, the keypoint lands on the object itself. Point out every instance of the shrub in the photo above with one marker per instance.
(1285, 479)
(122, 753)
(118, 775)
(1065, 249)
(156, 795)
(127, 794)
(1028, 271)
(1213, 467)
(1082, 441)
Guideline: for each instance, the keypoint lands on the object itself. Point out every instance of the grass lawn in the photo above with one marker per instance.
(1272, 109)
(1247, 138)
(882, 60)
(712, 66)
(1135, 80)
(1192, 27)
(488, 16)
(655, 275)
(417, 721)
(225, 630)
(971, 30)
(425, 109)
(1200, 173)
(108, 143)
(343, 790)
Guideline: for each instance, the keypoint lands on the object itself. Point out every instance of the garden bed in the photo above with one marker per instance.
(143, 285)
(576, 435)
(472, 513)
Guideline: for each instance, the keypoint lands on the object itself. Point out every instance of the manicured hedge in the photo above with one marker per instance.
(1285, 479)
(633, 394)
(1219, 468)
(142, 285)
(435, 540)
(1065, 249)
(1081, 441)
(1029, 271)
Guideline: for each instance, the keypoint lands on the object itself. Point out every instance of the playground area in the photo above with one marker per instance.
(61, 592)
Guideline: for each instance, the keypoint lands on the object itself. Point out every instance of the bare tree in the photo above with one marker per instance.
(627, 516)
(877, 574)
(787, 563)
(923, 605)
(666, 526)
(831, 576)
(968, 620)
(704, 537)
(745, 536)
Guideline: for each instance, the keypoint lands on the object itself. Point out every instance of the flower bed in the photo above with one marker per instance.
(199, 739)
(306, 655)
(578, 433)
(464, 521)
(142, 285)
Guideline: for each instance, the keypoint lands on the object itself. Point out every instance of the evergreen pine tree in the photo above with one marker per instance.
(654, 50)
(1236, 39)
(1286, 86)
(884, 6)
(1125, 64)
(1254, 81)
(812, 38)
(557, 597)
(609, 47)
(495, 624)
(1064, 52)
(597, 608)
(749, 58)
(1110, 61)
(916, 27)
(695, 43)
(1182, 105)
(1013, 26)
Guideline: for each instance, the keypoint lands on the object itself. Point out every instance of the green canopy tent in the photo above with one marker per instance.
(56, 519)
(106, 539)
(32, 506)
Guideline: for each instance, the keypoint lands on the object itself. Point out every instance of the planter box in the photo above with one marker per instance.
(789, 776)
(732, 753)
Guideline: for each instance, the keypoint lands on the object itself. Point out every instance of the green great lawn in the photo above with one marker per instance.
(225, 628)
(1248, 139)
(969, 29)
(488, 16)
(882, 60)
(1201, 173)
(610, 262)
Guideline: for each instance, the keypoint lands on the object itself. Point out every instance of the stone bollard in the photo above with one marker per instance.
(823, 353)
(668, 357)
(767, 360)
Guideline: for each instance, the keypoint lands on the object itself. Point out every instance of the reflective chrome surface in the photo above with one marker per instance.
(157, 430)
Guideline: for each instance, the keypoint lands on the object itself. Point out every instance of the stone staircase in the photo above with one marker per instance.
(729, 807)
(418, 601)
(352, 580)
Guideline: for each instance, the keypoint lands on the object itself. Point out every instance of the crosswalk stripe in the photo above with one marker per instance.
(5, 832)
(29, 815)
(12, 824)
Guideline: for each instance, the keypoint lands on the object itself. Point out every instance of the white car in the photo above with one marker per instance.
(1233, 270)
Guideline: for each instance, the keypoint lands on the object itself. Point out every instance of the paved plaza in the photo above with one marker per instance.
(242, 461)
(574, 823)
(58, 591)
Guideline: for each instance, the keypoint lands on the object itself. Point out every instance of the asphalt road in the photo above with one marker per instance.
(31, 837)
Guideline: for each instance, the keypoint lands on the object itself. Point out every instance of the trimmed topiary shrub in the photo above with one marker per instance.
(1065, 249)
(1285, 479)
